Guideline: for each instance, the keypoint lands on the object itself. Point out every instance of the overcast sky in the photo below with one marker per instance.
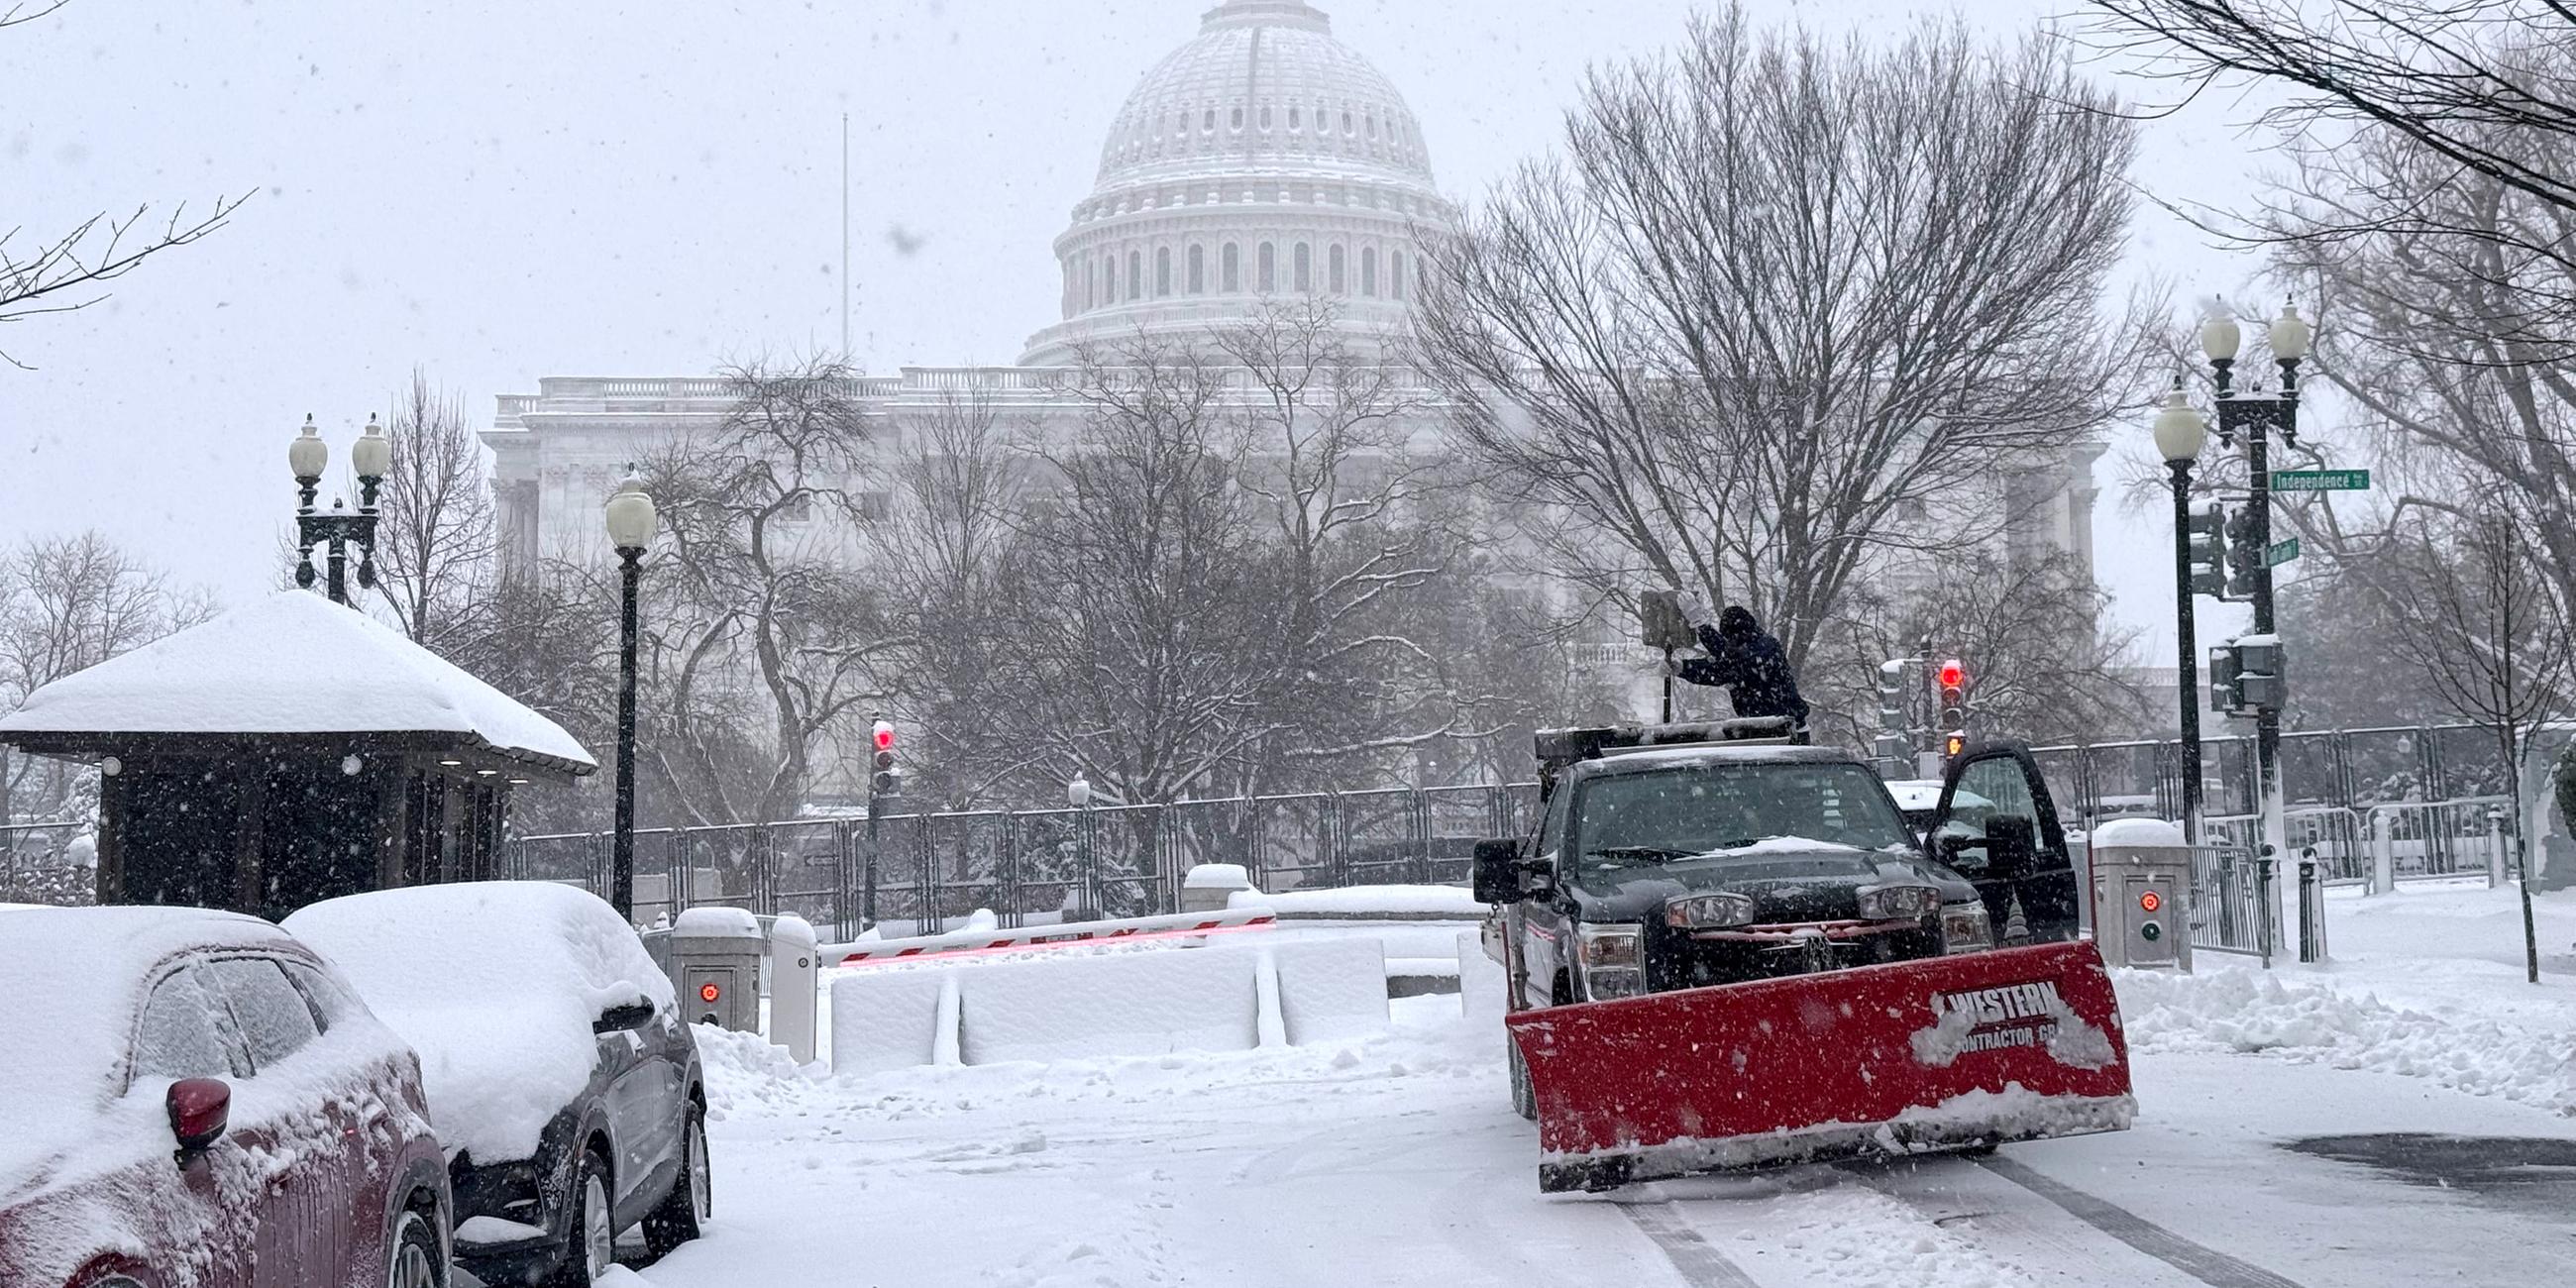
(501, 191)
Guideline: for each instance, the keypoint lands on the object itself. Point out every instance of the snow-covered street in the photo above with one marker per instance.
(1395, 1159)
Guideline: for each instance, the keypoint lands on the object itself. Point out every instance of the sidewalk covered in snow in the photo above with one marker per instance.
(287, 751)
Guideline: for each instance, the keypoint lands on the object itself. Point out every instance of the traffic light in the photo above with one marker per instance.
(1950, 681)
(2206, 537)
(2247, 676)
(2223, 694)
(888, 779)
(2244, 554)
(1892, 742)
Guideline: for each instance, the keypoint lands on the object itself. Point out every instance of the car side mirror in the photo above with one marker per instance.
(200, 1109)
(1498, 871)
(2012, 844)
(619, 1019)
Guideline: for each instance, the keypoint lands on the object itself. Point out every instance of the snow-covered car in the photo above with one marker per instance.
(562, 1079)
(194, 1098)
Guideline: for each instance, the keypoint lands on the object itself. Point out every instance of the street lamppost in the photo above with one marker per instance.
(2180, 433)
(631, 525)
(372, 456)
(2254, 416)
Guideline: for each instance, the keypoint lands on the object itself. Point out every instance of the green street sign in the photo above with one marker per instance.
(2281, 552)
(2320, 480)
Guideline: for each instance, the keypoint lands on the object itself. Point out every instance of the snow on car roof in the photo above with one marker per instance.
(75, 976)
(293, 662)
(495, 984)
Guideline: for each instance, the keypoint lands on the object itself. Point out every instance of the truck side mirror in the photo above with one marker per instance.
(1498, 871)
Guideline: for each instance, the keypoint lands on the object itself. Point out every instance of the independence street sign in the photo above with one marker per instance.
(2320, 480)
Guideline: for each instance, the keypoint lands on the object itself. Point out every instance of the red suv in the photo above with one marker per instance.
(192, 1098)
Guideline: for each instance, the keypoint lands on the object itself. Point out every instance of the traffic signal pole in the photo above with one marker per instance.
(2255, 418)
(2188, 653)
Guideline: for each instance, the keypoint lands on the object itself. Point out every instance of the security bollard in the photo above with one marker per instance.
(715, 965)
(2142, 894)
(2312, 910)
(792, 987)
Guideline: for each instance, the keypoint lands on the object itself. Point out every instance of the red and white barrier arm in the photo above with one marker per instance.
(1169, 926)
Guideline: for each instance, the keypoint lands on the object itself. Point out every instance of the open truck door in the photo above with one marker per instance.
(1997, 825)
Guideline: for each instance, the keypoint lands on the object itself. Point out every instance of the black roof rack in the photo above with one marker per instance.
(1558, 748)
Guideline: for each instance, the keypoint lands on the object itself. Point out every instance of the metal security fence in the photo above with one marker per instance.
(918, 873)
(2232, 901)
(2346, 769)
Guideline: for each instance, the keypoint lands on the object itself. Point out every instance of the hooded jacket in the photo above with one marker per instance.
(1750, 664)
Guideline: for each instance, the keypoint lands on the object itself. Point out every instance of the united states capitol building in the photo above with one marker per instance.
(1261, 159)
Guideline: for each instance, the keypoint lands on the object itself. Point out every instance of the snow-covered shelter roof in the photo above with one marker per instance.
(291, 664)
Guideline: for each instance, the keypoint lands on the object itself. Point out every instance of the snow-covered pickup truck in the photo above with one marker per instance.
(1675, 866)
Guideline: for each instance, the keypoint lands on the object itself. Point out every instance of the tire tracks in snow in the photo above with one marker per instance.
(2200, 1261)
(1694, 1258)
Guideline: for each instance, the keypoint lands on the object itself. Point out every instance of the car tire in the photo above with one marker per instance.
(1524, 1097)
(682, 1214)
(417, 1261)
(590, 1227)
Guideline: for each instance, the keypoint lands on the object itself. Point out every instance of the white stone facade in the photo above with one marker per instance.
(1263, 158)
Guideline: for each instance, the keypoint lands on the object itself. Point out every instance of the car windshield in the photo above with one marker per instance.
(1687, 810)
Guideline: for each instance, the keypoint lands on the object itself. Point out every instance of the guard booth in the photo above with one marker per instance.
(290, 751)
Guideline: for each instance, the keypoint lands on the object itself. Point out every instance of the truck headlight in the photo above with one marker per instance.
(1900, 902)
(1613, 959)
(1965, 928)
(1712, 911)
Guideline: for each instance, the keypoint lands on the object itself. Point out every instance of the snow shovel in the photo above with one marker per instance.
(1964, 1051)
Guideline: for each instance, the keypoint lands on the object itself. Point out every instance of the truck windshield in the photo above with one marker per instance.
(1626, 819)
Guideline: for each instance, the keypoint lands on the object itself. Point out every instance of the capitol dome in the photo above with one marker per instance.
(1262, 158)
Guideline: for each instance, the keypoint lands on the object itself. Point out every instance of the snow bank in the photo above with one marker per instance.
(2312, 1022)
(1217, 876)
(495, 984)
(885, 1019)
(1368, 900)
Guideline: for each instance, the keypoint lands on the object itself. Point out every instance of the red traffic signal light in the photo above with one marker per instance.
(1953, 675)
(884, 736)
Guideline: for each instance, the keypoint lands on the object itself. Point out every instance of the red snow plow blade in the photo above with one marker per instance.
(2013, 1044)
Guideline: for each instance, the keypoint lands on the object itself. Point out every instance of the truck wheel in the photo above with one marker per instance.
(1524, 1099)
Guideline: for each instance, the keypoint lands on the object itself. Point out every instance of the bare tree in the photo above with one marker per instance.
(1776, 296)
(62, 272)
(67, 604)
(764, 634)
(2472, 82)
(2483, 627)
(2042, 669)
(435, 542)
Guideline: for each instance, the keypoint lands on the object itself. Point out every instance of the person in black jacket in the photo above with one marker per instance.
(1749, 664)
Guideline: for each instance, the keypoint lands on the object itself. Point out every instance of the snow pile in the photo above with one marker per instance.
(1217, 876)
(746, 1074)
(2309, 1021)
(291, 663)
(496, 985)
